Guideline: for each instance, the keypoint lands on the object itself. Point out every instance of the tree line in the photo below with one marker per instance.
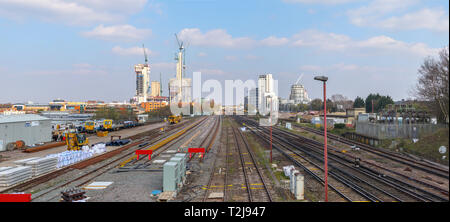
(116, 114)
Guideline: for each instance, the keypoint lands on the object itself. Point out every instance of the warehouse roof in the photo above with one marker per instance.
(21, 118)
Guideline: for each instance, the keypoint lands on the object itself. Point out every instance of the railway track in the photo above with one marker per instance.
(365, 181)
(256, 186)
(236, 173)
(390, 173)
(100, 170)
(420, 165)
(110, 157)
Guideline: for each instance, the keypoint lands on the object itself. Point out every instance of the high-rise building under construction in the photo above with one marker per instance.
(142, 82)
(180, 88)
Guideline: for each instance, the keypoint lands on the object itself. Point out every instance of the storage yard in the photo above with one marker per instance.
(203, 109)
(219, 159)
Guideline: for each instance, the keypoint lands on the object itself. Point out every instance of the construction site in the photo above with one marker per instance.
(180, 141)
(201, 158)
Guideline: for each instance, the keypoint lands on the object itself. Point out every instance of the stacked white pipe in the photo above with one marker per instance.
(13, 175)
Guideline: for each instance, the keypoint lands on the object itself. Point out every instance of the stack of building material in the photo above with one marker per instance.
(22, 162)
(4, 168)
(14, 175)
(70, 157)
(42, 165)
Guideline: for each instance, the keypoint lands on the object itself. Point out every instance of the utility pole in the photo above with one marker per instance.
(372, 106)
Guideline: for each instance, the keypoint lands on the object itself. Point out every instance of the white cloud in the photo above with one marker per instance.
(131, 51)
(79, 12)
(321, 40)
(156, 7)
(211, 71)
(379, 44)
(202, 54)
(322, 2)
(274, 41)
(118, 6)
(213, 38)
(308, 38)
(432, 19)
(220, 38)
(396, 15)
(118, 33)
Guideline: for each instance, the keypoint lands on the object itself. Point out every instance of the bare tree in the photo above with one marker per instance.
(342, 102)
(433, 83)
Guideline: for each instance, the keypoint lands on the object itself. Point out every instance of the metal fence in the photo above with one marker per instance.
(391, 131)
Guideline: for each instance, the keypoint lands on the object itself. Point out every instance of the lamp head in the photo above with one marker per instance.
(321, 78)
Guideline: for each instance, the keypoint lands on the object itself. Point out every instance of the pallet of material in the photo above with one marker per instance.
(166, 196)
(15, 175)
(42, 165)
(24, 161)
(4, 168)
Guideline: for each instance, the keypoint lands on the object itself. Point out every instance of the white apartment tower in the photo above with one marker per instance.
(266, 94)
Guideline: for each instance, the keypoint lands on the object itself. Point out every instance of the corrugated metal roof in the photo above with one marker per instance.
(21, 118)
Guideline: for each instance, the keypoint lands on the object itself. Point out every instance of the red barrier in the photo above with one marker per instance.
(196, 150)
(143, 152)
(15, 197)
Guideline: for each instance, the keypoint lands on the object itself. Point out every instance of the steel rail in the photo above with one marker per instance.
(306, 169)
(101, 167)
(427, 196)
(387, 154)
(256, 165)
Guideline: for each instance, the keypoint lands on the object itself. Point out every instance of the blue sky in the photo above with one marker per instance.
(86, 49)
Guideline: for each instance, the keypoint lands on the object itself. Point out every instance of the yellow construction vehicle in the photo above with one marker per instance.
(174, 119)
(75, 141)
(89, 126)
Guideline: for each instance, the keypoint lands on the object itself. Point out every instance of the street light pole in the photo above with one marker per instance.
(324, 79)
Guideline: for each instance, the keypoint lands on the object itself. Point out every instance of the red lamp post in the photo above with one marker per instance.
(324, 79)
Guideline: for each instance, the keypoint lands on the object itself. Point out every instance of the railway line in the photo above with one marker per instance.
(111, 159)
(236, 173)
(368, 183)
(419, 165)
(124, 160)
(387, 171)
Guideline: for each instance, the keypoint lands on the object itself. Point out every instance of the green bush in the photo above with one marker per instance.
(339, 126)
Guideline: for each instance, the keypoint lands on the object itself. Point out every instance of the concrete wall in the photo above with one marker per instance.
(392, 131)
(30, 132)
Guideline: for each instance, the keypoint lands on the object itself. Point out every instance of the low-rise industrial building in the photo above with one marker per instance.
(29, 128)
